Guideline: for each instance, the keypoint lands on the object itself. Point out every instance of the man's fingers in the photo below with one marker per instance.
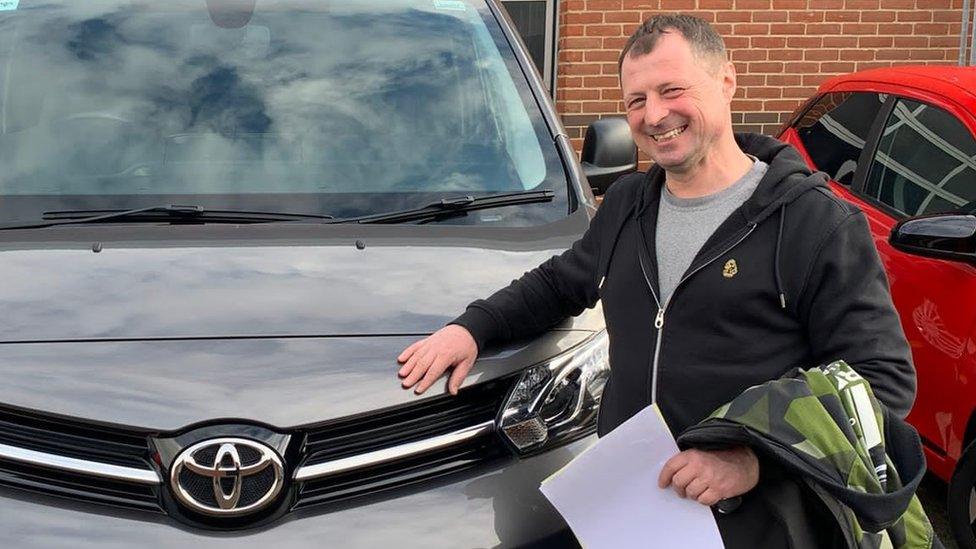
(695, 488)
(672, 466)
(434, 372)
(405, 355)
(458, 375)
(682, 479)
(421, 361)
(709, 497)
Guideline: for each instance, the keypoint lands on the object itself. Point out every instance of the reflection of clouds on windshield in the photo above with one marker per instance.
(391, 101)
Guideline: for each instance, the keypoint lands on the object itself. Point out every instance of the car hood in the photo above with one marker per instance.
(395, 281)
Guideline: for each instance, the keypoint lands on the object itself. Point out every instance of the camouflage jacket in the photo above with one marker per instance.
(825, 426)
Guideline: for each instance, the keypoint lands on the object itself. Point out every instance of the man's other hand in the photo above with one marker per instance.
(710, 476)
(427, 359)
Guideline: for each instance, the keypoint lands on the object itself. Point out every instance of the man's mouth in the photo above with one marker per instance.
(668, 135)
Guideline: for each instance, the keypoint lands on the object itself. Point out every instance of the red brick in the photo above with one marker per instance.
(750, 55)
(806, 16)
(641, 4)
(804, 42)
(601, 55)
(788, 28)
(735, 42)
(677, 5)
(821, 55)
(944, 41)
(784, 80)
(608, 68)
(733, 16)
(611, 93)
(740, 105)
(826, 4)
(574, 5)
(715, 4)
(785, 105)
(857, 55)
(599, 106)
(614, 43)
(569, 107)
(897, 29)
(767, 92)
(911, 42)
(860, 28)
(799, 92)
(572, 30)
(769, 16)
(752, 28)
(578, 69)
(577, 43)
(898, 4)
(753, 4)
(766, 66)
(863, 4)
(915, 16)
(789, 4)
(785, 55)
(813, 79)
(802, 68)
(579, 95)
(601, 82)
(936, 29)
(866, 65)
(875, 41)
(583, 18)
(632, 17)
(837, 67)
(946, 16)
(768, 42)
(603, 5)
(572, 56)
(823, 28)
(746, 80)
(877, 16)
(840, 41)
(842, 16)
(603, 30)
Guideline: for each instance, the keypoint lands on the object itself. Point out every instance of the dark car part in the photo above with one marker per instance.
(608, 153)
(945, 236)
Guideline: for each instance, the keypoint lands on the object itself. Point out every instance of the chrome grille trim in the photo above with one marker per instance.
(81, 466)
(309, 472)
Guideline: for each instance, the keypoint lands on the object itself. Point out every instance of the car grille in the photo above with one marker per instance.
(81, 441)
(402, 426)
(418, 442)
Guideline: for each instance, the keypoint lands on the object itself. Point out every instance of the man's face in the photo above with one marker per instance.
(677, 104)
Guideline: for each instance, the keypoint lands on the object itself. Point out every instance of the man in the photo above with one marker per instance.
(722, 267)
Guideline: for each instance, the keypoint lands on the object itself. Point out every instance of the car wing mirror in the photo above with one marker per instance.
(945, 236)
(608, 153)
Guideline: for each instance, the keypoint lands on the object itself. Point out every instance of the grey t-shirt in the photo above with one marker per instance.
(684, 224)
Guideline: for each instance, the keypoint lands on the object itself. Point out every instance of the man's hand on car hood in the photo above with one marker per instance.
(426, 360)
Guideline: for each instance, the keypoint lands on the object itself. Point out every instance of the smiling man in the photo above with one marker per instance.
(724, 266)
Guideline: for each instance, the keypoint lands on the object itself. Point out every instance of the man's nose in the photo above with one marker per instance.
(654, 112)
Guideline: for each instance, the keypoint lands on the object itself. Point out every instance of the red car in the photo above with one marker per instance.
(901, 144)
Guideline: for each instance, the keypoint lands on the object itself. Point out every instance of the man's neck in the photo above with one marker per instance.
(723, 166)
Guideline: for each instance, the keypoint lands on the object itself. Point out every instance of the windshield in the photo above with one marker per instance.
(343, 108)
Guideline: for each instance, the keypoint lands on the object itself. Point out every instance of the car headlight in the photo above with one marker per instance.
(557, 401)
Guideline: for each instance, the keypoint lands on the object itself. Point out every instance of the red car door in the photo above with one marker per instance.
(919, 159)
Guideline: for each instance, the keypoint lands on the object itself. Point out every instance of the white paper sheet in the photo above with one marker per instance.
(610, 498)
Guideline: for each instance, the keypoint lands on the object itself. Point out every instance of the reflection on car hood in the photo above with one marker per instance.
(149, 291)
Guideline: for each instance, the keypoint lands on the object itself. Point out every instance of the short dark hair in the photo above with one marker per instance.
(702, 37)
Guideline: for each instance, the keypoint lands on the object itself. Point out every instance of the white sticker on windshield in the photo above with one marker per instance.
(442, 5)
(8, 5)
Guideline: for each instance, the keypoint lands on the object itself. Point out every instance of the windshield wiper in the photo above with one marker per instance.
(171, 212)
(452, 206)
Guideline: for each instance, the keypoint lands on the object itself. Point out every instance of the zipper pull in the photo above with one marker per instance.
(659, 320)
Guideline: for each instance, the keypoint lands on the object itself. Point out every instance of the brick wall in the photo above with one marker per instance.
(782, 49)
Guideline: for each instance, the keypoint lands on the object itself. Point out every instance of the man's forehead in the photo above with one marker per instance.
(672, 59)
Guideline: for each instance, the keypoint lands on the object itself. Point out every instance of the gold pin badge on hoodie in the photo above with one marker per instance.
(730, 269)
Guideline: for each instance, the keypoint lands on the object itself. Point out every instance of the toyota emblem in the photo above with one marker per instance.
(227, 476)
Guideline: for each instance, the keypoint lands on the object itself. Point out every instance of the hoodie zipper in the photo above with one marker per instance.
(659, 319)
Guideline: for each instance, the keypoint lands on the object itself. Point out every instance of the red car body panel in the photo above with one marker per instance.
(936, 299)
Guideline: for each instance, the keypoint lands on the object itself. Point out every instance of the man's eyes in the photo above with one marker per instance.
(635, 103)
(672, 92)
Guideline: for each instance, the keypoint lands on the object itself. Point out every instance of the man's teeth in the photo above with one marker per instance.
(669, 134)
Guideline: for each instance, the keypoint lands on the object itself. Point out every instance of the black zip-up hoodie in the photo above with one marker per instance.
(789, 279)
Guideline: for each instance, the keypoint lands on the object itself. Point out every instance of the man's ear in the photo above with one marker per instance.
(727, 76)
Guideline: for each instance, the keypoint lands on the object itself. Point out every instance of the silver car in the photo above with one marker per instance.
(221, 221)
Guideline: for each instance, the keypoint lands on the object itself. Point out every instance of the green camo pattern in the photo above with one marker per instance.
(817, 416)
